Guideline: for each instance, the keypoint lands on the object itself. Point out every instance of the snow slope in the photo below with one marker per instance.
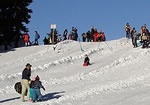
(119, 74)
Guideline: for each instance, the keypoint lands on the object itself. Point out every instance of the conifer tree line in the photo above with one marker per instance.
(14, 15)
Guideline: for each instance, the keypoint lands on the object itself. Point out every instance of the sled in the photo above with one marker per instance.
(85, 64)
(18, 88)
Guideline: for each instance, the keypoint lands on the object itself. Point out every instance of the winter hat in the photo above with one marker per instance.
(37, 77)
(85, 55)
(28, 64)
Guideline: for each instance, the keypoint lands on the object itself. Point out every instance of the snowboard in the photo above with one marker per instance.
(18, 88)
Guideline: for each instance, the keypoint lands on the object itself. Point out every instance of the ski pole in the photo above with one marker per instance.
(108, 46)
(98, 45)
(80, 46)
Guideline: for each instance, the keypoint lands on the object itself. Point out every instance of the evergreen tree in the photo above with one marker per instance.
(14, 14)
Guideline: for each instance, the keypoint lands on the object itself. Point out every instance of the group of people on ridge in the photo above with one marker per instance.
(90, 36)
(138, 39)
(26, 38)
(93, 36)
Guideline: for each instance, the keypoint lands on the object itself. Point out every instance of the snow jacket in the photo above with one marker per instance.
(26, 74)
(26, 38)
(38, 85)
(128, 28)
(37, 36)
(87, 60)
(96, 36)
(70, 37)
(103, 37)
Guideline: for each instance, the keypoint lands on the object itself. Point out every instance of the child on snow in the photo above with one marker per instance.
(36, 89)
(86, 60)
(31, 89)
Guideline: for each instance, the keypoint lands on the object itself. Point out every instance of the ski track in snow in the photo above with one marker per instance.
(68, 59)
(95, 73)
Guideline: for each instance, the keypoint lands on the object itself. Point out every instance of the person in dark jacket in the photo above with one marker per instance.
(36, 89)
(65, 34)
(25, 81)
(135, 39)
(132, 33)
(88, 34)
(83, 37)
(45, 41)
(86, 60)
(92, 33)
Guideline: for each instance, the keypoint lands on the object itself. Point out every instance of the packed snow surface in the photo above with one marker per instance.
(119, 74)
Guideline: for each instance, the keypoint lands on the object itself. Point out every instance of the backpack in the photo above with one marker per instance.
(144, 37)
(38, 36)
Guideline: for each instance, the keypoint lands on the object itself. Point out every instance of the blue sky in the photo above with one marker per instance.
(108, 15)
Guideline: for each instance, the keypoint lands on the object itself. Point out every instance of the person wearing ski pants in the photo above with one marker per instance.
(25, 82)
(37, 96)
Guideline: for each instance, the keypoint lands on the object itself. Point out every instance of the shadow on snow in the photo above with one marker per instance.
(10, 99)
(50, 96)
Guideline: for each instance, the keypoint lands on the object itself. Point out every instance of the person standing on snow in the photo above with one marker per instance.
(83, 37)
(26, 39)
(128, 28)
(88, 34)
(37, 36)
(144, 37)
(65, 34)
(132, 33)
(74, 34)
(146, 30)
(92, 33)
(70, 36)
(135, 39)
(25, 81)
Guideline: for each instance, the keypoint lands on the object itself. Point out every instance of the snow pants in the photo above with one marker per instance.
(31, 94)
(36, 94)
(25, 86)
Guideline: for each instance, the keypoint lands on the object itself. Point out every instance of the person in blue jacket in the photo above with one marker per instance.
(37, 36)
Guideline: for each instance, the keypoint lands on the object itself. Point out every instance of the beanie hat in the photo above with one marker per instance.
(37, 77)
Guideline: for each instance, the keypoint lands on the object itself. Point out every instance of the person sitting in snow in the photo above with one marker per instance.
(86, 60)
(31, 88)
(37, 96)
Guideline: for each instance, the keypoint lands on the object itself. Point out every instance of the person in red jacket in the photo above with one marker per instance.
(101, 36)
(26, 39)
(96, 34)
